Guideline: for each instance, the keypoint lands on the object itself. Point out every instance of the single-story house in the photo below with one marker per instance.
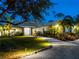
(27, 28)
(30, 28)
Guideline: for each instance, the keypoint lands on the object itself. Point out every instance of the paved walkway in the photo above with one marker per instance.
(56, 42)
(60, 50)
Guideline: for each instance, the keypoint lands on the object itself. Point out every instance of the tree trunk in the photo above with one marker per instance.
(70, 29)
(63, 29)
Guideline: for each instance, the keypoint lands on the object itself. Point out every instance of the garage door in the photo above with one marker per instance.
(27, 31)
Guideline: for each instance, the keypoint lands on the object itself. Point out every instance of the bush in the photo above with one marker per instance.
(61, 36)
(18, 34)
(68, 36)
(39, 33)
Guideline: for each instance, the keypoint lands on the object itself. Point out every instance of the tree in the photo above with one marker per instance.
(59, 15)
(76, 24)
(77, 20)
(24, 8)
(61, 23)
(68, 22)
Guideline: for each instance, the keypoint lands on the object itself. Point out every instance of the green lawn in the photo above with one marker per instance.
(20, 46)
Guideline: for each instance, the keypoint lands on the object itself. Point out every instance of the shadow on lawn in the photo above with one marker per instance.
(19, 43)
(10, 45)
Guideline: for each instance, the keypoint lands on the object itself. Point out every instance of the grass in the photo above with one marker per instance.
(20, 46)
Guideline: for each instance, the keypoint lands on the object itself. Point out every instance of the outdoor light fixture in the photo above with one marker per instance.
(75, 27)
(57, 25)
(46, 44)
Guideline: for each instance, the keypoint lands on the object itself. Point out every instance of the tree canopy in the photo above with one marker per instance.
(23, 8)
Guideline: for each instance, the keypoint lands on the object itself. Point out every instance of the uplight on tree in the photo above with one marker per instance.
(75, 27)
(57, 25)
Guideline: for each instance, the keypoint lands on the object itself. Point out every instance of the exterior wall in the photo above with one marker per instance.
(16, 31)
(41, 29)
(46, 28)
(12, 32)
(25, 30)
(33, 31)
(0, 33)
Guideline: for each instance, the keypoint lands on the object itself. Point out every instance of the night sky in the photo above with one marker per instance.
(67, 7)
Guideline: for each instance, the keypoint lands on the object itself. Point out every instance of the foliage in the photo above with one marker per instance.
(68, 22)
(66, 36)
(60, 15)
(39, 33)
(49, 33)
(24, 8)
(77, 19)
(18, 34)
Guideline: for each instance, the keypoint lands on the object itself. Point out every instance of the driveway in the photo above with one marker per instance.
(60, 50)
(56, 42)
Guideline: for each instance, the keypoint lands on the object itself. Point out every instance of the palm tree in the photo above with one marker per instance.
(68, 22)
(1, 29)
(7, 26)
(59, 15)
(77, 19)
(76, 23)
(51, 30)
(61, 23)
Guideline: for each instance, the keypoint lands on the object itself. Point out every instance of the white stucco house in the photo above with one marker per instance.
(27, 28)
(30, 28)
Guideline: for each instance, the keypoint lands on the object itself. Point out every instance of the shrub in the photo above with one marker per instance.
(67, 36)
(18, 34)
(70, 36)
(39, 33)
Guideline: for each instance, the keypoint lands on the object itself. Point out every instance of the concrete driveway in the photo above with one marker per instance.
(60, 50)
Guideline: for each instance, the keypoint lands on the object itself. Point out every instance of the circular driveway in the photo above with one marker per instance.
(58, 52)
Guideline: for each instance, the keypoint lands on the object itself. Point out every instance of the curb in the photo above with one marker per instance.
(43, 49)
(37, 51)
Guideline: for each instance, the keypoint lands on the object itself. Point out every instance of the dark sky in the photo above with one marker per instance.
(67, 7)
